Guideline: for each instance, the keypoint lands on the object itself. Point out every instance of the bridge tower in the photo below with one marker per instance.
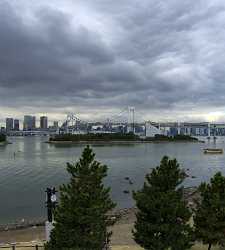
(208, 130)
(71, 122)
(131, 118)
(178, 128)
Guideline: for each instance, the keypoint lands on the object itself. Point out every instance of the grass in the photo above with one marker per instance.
(203, 247)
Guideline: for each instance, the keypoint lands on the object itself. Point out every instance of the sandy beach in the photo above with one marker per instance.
(121, 239)
(122, 231)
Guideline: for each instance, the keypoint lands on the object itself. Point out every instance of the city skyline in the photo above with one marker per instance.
(74, 125)
(28, 122)
(94, 58)
(124, 118)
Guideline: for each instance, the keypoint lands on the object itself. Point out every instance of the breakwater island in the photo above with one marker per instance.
(117, 137)
(3, 140)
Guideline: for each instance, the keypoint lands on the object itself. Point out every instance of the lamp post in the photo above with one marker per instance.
(51, 201)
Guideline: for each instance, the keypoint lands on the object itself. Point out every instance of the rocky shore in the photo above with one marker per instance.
(126, 215)
(3, 143)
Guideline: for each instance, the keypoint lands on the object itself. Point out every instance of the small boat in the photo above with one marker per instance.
(213, 151)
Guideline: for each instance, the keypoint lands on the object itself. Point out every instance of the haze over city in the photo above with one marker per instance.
(93, 58)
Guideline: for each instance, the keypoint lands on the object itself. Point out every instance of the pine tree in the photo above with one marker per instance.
(162, 217)
(210, 212)
(82, 216)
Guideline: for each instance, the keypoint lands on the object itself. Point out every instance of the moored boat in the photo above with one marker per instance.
(213, 151)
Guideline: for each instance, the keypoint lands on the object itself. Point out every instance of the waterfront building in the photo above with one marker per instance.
(117, 128)
(44, 122)
(98, 127)
(16, 125)
(165, 130)
(192, 129)
(187, 131)
(130, 128)
(9, 124)
(151, 130)
(173, 131)
(29, 122)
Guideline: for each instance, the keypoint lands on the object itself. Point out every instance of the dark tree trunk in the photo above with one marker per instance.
(209, 247)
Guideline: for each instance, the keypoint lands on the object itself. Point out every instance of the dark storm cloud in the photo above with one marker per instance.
(89, 55)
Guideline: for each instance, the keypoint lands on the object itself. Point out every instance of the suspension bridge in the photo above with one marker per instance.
(125, 117)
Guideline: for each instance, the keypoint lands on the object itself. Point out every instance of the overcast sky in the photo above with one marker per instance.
(96, 57)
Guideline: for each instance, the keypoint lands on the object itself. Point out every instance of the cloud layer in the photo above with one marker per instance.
(94, 58)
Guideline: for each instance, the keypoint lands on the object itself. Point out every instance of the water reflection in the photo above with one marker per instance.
(36, 165)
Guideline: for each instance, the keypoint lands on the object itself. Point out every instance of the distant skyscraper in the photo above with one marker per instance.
(43, 122)
(33, 122)
(9, 124)
(29, 122)
(16, 125)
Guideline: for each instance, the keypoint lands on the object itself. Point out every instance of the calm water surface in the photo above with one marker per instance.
(36, 165)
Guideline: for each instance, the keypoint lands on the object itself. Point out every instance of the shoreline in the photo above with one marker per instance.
(4, 143)
(121, 239)
(190, 194)
(120, 142)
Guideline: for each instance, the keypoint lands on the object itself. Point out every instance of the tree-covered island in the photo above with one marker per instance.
(114, 137)
(2, 138)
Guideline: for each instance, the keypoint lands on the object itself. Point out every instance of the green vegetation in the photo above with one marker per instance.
(81, 218)
(118, 137)
(210, 213)
(96, 137)
(162, 217)
(172, 138)
(2, 138)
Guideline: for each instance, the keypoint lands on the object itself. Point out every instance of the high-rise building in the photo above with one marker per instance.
(43, 122)
(33, 122)
(16, 125)
(29, 122)
(9, 124)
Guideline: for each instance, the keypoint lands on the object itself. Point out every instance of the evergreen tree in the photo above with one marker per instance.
(162, 217)
(2, 137)
(81, 218)
(210, 212)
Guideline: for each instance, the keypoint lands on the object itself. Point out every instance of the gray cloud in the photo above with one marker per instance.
(96, 57)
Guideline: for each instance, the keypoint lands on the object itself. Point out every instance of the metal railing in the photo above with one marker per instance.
(23, 247)
(34, 247)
